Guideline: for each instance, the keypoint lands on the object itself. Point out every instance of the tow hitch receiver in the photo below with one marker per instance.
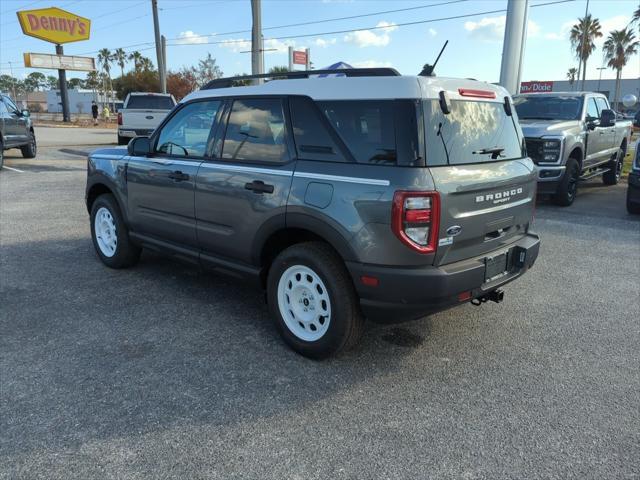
(494, 296)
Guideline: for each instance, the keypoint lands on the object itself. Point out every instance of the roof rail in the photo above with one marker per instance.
(347, 72)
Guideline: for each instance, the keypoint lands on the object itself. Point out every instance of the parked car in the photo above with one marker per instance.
(16, 130)
(633, 190)
(369, 195)
(141, 113)
(571, 137)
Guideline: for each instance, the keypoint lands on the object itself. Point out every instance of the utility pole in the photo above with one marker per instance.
(163, 40)
(64, 96)
(13, 83)
(257, 66)
(515, 33)
(156, 28)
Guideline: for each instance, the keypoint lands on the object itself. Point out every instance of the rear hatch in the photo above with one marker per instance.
(146, 111)
(486, 183)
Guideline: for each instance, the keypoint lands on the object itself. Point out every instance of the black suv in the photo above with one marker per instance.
(16, 130)
(370, 195)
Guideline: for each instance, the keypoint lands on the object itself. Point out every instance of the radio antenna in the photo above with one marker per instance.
(429, 70)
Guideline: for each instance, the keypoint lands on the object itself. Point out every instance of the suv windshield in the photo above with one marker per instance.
(473, 132)
(150, 102)
(547, 107)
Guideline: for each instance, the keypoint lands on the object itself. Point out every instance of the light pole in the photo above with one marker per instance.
(600, 77)
(513, 47)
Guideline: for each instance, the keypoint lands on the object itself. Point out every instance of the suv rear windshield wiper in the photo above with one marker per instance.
(495, 152)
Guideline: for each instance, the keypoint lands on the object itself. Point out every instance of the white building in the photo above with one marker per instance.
(79, 101)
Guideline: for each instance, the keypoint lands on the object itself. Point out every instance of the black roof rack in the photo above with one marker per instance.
(347, 72)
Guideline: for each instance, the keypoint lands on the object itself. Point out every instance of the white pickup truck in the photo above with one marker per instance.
(141, 113)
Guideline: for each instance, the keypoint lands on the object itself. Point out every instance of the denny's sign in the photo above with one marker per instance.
(54, 25)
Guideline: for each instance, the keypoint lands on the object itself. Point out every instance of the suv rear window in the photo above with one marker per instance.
(464, 135)
(150, 102)
(376, 132)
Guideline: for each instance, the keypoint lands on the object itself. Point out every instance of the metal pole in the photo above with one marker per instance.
(523, 44)
(308, 64)
(64, 96)
(512, 50)
(290, 58)
(584, 72)
(156, 29)
(257, 66)
(600, 77)
(163, 78)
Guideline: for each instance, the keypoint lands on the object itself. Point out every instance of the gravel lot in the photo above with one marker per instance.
(163, 371)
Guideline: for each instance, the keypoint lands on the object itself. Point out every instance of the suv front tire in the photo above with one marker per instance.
(30, 149)
(312, 300)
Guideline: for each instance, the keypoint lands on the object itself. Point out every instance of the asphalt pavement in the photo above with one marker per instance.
(164, 371)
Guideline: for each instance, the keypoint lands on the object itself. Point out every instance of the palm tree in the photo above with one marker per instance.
(135, 57)
(571, 76)
(582, 38)
(145, 64)
(120, 57)
(618, 49)
(105, 57)
(636, 16)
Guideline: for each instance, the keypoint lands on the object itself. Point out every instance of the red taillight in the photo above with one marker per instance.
(470, 92)
(415, 219)
(119, 118)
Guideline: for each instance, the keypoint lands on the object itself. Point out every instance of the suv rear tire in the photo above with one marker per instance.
(313, 302)
(568, 188)
(110, 234)
(30, 149)
(615, 169)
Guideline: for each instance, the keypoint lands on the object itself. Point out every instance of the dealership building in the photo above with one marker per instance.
(607, 87)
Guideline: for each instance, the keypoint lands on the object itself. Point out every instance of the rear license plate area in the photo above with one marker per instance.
(495, 266)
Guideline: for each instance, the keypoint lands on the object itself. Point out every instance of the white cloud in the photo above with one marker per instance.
(372, 38)
(433, 32)
(322, 43)
(371, 64)
(190, 38)
(278, 45)
(491, 29)
(236, 44)
(614, 23)
(270, 45)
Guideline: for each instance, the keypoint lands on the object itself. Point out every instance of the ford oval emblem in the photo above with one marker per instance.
(454, 230)
(149, 117)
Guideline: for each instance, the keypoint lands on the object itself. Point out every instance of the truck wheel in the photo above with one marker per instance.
(568, 188)
(123, 140)
(313, 302)
(1, 154)
(613, 175)
(30, 149)
(110, 234)
(633, 208)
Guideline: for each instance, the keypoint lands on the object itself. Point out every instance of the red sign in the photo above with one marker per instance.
(536, 87)
(299, 57)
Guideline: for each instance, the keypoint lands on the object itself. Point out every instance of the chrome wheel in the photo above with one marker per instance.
(303, 301)
(105, 230)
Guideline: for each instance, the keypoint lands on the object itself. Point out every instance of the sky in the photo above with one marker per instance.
(192, 26)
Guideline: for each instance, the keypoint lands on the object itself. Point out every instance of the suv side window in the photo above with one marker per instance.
(313, 141)
(11, 106)
(602, 104)
(366, 127)
(3, 108)
(187, 133)
(592, 109)
(256, 131)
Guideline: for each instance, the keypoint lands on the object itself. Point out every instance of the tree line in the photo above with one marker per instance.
(617, 50)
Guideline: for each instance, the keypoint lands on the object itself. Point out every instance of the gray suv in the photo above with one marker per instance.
(16, 130)
(370, 195)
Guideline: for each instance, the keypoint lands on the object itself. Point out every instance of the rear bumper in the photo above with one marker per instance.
(134, 132)
(408, 293)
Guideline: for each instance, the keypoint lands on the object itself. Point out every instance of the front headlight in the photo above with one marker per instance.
(551, 150)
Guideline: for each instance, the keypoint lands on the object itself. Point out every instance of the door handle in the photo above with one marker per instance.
(178, 176)
(258, 186)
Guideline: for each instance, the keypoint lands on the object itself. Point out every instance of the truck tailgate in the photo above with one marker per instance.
(142, 119)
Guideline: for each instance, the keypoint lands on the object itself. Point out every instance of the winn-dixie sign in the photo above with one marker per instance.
(54, 25)
(534, 87)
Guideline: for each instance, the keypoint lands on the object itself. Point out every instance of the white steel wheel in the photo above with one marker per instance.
(105, 229)
(303, 301)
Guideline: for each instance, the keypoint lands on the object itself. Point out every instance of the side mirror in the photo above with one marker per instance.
(139, 147)
(26, 113)
(592, 123)
(607, 118)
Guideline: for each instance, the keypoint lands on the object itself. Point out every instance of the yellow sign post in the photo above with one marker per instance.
(56, 26)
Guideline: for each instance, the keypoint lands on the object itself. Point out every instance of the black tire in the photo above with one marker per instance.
(126, 253)
(123, 140)
(633, 208)
(612, 177)
(568, 188)
(1, 154)
(30, 149)
(345, 320)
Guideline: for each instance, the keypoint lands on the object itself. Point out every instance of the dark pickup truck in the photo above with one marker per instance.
(16, 130)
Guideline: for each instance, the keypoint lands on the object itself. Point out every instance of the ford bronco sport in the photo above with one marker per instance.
(371, 195)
